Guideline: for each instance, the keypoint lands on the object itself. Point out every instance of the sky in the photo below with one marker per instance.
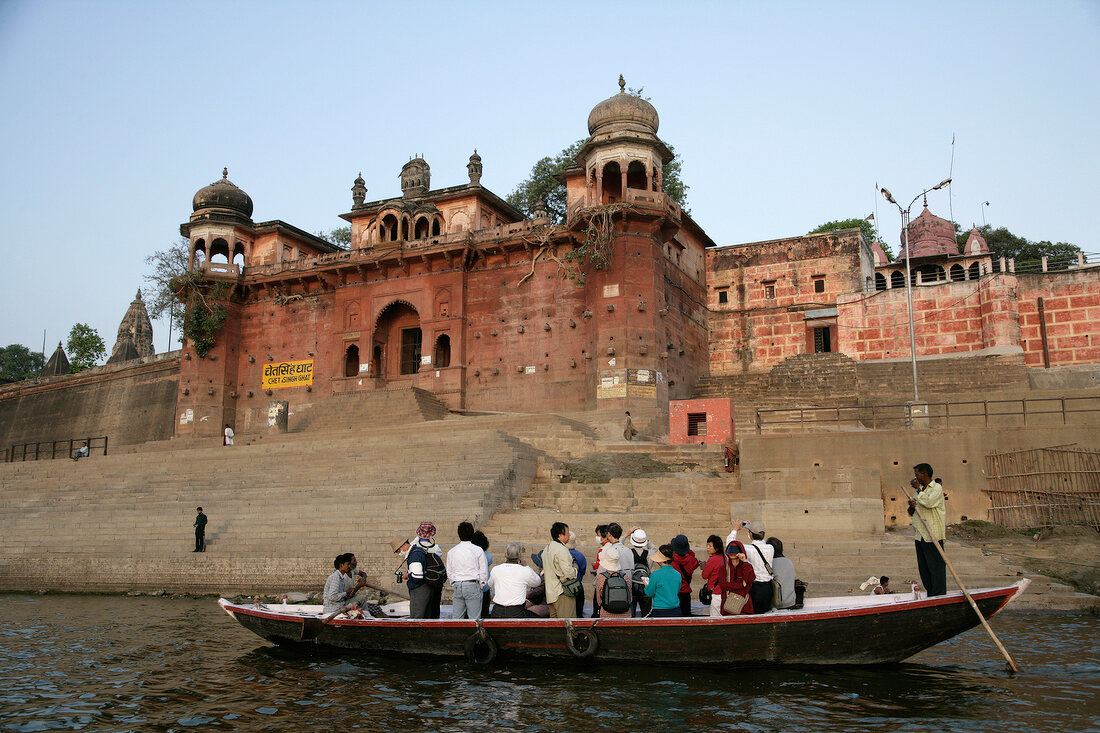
(786, 115)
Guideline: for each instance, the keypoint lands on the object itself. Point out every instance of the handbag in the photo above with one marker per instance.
(733, 602)
(705, 595)
(570, 587)
(777, 590)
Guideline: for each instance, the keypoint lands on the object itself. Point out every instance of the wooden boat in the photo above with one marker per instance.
(839, 630)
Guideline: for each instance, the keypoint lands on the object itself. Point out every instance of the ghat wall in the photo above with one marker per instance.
(132, 403)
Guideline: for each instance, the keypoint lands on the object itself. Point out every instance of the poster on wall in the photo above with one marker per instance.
(283, 374)
(642, 382)
(611, 384)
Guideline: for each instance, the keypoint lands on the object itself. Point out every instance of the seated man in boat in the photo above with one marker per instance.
(337, 593)
(509, 583)
(783, 570)
(536, 607)
(759, 554)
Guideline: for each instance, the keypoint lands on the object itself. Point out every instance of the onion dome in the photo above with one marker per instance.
(929, 235)
(623, 112)
(223, 194)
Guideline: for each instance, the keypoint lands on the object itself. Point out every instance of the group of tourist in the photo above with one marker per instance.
(635, 578)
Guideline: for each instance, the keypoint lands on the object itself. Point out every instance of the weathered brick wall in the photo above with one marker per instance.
(769, 287)
(1071, 302)
(129, 403)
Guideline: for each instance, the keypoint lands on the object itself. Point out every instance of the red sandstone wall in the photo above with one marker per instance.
(948, 317)
(754, 332)
(1071, 302)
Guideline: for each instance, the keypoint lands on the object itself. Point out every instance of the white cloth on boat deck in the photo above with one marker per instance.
(509, 583)
(335, 592)
(466, 561)
(762, 574)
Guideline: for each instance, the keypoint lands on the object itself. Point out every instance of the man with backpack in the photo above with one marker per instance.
(612, 585)
(426, 574)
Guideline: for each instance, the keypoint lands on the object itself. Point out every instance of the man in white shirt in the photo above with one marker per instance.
(509, 583)
(468, 572)
(228, 435)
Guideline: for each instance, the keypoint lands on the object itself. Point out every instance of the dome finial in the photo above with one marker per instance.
(225, 174)
(622, 84)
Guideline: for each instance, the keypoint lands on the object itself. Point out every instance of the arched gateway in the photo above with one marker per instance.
(396, 344)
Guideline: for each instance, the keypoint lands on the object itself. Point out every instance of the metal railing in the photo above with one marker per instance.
(933, 415)
(45, 450)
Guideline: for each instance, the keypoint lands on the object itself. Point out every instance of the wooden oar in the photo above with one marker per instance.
(958, 581)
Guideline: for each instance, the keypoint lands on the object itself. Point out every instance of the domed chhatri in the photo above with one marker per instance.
(930, 235)
(223, 194)
(623, 111)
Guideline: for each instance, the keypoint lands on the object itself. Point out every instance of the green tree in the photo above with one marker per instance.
(869, 231)
(17, 363)
(1028, 254)
(85, 347)
(167, 264)
(544, 183)
(340, 236)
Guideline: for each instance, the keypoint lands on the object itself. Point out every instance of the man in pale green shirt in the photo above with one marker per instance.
(929, 527)
(557, 565)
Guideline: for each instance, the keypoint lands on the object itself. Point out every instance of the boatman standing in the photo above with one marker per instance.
(928, 504)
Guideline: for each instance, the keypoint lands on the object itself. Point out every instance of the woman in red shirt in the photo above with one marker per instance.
(684, 560)
(740, 576)
(713, 573)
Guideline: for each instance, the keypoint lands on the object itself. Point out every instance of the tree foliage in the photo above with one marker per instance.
(340, 236)
(869, 231)
(1003, 243)
(85, 347)
(544, 184)
(166, 264)
(17, 363)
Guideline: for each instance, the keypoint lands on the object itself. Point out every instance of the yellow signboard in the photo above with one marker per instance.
(281, 374)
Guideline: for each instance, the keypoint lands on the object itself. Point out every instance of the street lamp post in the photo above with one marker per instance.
(908, 276)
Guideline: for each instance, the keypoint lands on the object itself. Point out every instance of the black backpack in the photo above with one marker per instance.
(616, 594)
(435, 573)
(641, 570)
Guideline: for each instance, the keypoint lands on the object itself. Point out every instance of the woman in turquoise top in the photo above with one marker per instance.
(663, 586)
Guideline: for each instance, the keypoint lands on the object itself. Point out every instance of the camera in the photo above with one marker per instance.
(397, 577)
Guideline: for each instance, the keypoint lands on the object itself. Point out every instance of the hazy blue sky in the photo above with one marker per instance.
(786, 114)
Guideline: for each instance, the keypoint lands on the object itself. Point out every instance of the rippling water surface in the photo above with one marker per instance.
(118, 663)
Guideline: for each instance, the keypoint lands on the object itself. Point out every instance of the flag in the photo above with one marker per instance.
(870, 217)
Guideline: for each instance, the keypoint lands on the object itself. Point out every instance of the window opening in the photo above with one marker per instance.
(442, 357)
(410, 350)
(880, 281)
(769, 290)
(723, 296)
(351, 361)
(697, 423)
(822, 343)
(819, 285)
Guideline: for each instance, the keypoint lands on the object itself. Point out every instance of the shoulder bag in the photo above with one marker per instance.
(777, 591)
(734, 602)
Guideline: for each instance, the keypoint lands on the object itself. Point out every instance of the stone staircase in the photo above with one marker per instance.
(278, 511)
(353, 410)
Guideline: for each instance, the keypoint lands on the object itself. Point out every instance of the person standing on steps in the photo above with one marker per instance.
(931, 528)
(200, 531)
(227, 434)
(628, 427)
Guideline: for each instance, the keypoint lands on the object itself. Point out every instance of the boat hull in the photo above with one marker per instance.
(859, 634)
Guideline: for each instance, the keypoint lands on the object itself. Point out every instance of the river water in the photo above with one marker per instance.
(101, 663)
